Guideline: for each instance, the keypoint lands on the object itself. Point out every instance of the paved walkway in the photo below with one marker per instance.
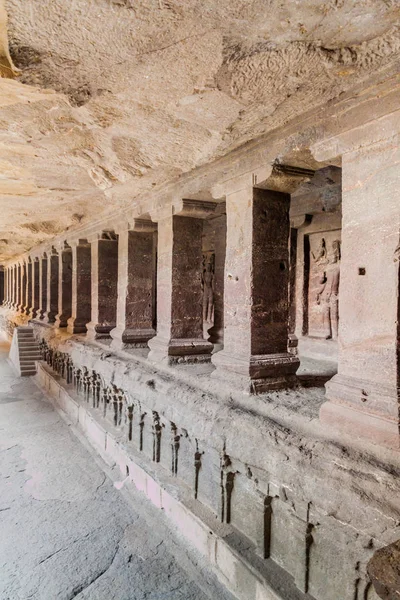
(65, 530)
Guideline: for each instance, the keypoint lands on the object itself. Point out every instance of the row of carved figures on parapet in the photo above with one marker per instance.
(102, 397)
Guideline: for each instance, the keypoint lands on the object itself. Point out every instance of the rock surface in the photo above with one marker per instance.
(66, 530)
(384, 570)
(148, 90)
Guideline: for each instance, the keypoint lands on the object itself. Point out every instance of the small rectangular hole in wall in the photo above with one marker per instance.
(361, 270)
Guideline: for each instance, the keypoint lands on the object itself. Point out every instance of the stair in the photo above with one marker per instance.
(24, 351)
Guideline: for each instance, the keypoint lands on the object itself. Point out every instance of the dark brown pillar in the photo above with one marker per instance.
(81, 287)
(14, 286)
(6, 286)
(255, 354)
(2, 282)
(64, 287)
(43, 286)
(29, 289)
(179, 291)
(35, 288)
(52, 288)
(24, 284)
(18, 287)
(136, 266)
(104, 256)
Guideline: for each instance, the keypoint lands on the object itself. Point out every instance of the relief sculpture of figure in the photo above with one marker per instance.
(328, 293)
(208, 289)
(320, 254)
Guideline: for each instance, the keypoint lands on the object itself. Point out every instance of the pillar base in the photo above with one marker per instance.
(76, 326)
(32, 314)
(49, 317)
(179, 350)
(131, 338)
(99, 331)
(256, 374)
(61, 321)
(363, 409)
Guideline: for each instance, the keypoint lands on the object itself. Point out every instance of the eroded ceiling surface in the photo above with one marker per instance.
(103, 99)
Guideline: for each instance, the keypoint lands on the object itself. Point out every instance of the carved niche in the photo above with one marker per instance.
(323, 284)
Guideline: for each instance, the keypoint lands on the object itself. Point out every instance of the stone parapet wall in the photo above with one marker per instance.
(288, 492)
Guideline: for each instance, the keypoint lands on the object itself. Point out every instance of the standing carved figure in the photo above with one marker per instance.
(208, 289)
(328, 292)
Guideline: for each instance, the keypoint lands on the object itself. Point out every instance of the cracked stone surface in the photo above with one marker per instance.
(66, 532)
(113, 98)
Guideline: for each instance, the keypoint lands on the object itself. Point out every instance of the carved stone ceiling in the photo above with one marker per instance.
(114, 97)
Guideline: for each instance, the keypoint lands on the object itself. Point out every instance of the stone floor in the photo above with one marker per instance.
(65, 530)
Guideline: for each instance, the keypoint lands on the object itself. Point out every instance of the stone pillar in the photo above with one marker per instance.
(18, 287)
(363, 398)
(24, 283)
(81, 287)
(2, 285)
(179, 294)
(6, 286)
(255, 355)
(104, 257)
(135, 285)
(29, 287)
(64, 286)
(14, 286)
(52, 288)
(35, 288)
(43, 286)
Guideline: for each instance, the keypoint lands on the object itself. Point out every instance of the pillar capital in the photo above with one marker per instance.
(198, 209)
(356, 138)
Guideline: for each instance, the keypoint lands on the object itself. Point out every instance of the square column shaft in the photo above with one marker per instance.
(14, 292)
(43, 287)
(18, 287)
(364, 395)
(136, 267)
(64, 288)
(29, 290)
(255, 355)
(179, 291)
(104, 254)
(24, 284)
(35, 288)
(52, 289)
(81, 288)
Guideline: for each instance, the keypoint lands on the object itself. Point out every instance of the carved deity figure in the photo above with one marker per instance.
(208, 289)
(328, 292)
(320, 255)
